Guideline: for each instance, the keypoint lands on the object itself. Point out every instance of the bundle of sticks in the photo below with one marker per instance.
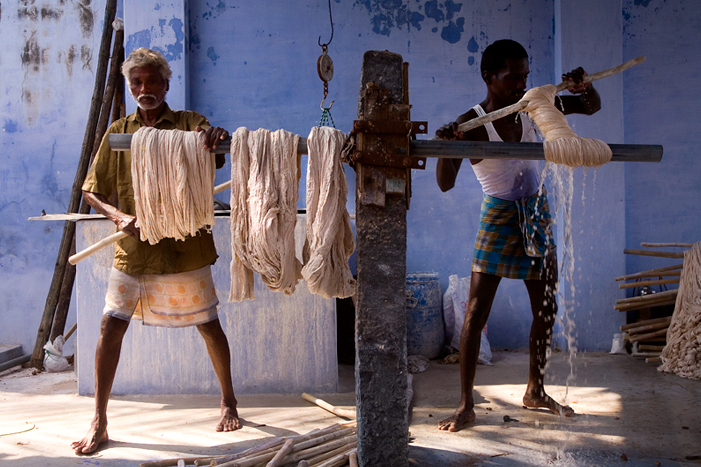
(649, 335)
(334, 446)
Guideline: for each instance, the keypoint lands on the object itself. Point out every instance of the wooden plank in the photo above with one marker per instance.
(652, 273)
(659, 254)
(631, 285)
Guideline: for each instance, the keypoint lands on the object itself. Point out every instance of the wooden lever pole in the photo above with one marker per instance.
(520, 105)
(115, 237)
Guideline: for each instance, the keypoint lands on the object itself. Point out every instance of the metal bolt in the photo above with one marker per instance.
(406, 162)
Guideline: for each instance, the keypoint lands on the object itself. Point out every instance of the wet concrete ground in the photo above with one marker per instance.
(627, 414)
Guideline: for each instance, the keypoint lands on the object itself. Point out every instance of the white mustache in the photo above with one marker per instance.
(146, 96)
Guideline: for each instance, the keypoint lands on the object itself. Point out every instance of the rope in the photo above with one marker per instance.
(682, 353)
(562, 145)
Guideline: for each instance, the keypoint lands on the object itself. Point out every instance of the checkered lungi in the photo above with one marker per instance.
(168, 300)
(513, 237)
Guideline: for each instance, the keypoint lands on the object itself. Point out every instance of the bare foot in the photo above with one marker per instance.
(96, 436)
(548, 403)
(458, 420)
(229, 419)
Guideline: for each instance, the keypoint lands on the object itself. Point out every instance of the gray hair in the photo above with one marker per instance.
(145, 57)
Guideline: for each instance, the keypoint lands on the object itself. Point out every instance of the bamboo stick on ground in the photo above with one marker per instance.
(353, 459)
(328, 455)
(253, 460)
(284, 451)
(656, 245)
(646, 354)
(321, 449)
(631, 285)
(172, 462)
(653, 360)
(651, 273)
(271, 445)
(650, 348)
(337, 461)
(625, 327)
(345, 413)
(644, 275)
(659, 254)
(649, 327)
(638, 306)
(645, 298)
(642, 337)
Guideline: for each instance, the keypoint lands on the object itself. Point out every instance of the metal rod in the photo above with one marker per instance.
(523, 151)
(122, 142)
(463, 149)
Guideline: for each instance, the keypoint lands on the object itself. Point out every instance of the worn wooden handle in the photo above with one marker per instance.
(345, 413)
(107, 241)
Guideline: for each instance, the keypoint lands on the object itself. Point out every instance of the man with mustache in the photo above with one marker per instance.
(169, 283)
(515, 235)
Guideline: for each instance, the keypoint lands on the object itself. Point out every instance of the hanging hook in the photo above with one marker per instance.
(322, 104)
(331, 21)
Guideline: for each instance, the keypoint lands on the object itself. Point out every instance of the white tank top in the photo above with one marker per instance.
(509, 179)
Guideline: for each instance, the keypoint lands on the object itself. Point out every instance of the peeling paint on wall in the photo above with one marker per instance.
(386, 15)
(145, 37)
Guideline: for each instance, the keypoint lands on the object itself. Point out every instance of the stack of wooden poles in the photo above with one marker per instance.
(649, 335)
(107, 98)
(333, 446)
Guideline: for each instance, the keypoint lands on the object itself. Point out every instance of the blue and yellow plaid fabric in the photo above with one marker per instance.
(513, 237)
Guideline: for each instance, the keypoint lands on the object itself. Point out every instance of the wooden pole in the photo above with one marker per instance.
(658, 245)
(64, 301)
(631, 285)
(345, 413)
(666, 319)
(43, 333)
(660, 254)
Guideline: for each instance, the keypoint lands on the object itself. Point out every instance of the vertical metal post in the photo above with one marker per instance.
(381, 369)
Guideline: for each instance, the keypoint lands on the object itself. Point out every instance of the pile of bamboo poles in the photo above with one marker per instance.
(106, 102)
(334, 446)
(648, 336)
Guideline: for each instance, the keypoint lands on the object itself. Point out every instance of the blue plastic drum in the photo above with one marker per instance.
(424, 315)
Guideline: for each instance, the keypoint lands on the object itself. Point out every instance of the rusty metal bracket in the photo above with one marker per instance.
(384, 131)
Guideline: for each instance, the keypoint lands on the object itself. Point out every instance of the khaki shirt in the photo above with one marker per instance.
(111, 170)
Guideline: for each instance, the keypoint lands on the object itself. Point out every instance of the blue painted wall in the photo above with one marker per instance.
(254, 64)
(661, 106)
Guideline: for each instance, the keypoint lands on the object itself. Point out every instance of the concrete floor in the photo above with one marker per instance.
(625, 408)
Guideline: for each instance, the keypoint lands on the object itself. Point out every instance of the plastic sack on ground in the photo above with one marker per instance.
(618, 345)
(54, 361)
(454, 305)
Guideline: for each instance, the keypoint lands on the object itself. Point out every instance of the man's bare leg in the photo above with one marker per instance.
(542, 295)
(109, 346)
(218, 349)
(483, 288)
